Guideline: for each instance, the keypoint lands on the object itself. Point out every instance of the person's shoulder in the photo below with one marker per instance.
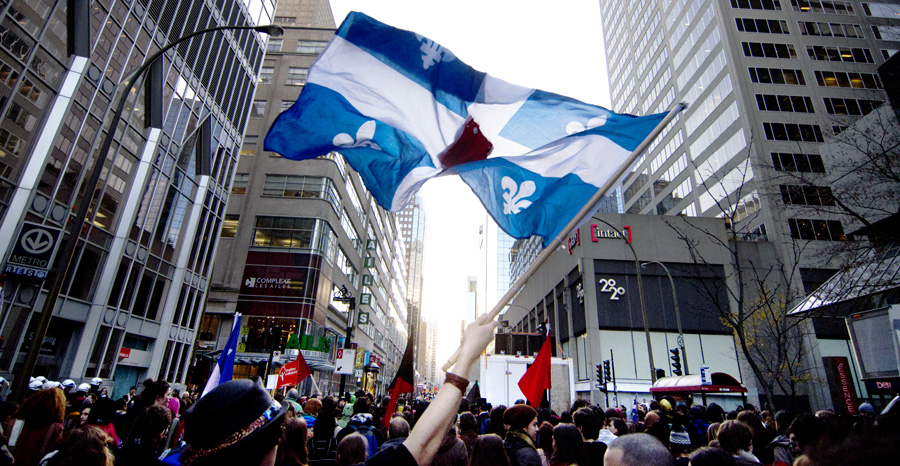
(394, 455)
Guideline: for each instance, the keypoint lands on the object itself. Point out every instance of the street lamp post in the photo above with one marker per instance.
(20, 383)
(347, 298)
(637, 267)
(677, 313)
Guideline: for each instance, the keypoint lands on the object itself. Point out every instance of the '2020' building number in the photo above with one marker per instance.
(608, 285)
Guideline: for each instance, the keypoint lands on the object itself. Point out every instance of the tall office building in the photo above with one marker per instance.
(141, 272)
(767, 82)
(298, 234)
(412, 225)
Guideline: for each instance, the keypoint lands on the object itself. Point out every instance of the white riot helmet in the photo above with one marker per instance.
(35, 385)
(84, 388)
(96, 381)
(50, 384)
(68, 383)
(3, 381)
(41, 379)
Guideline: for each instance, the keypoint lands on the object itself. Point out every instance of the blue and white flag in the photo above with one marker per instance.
(402, 109)
(225, 367)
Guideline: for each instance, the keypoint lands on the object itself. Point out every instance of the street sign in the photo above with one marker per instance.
(705, 375)
(345, 361)
(32, 255)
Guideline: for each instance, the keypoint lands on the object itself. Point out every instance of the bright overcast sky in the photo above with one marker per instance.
(554, 46)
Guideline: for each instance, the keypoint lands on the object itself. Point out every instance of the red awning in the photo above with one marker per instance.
(721, 383)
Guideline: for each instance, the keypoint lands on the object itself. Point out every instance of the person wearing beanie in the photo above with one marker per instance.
(520, 440)
(235, 423)
(680, 446)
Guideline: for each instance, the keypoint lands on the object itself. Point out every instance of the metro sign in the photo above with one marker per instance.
(32, 255)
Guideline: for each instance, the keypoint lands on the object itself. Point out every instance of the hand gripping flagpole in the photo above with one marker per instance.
(576, 220)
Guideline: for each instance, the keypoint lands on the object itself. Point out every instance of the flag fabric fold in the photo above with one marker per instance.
(402, 109)
(293, 372)
(225, 367)
(537, 377)
(404, 381)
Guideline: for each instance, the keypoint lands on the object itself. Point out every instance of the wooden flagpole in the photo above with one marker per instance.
(576, 220)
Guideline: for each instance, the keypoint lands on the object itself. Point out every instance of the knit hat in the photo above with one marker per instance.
(230, 413)
(679, 438)
(519, 416)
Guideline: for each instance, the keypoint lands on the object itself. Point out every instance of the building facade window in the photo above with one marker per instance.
(286, 104)
(806, 195)
(768, 50)
(856, 107)
(288, 20)
(274, 45)
(248, 147)
(816, 230)
(258, 109)
(763, 26)
(230, 225)
(303, 186)
(296, 76)
(307, 234)
(777, 76)
(265, 74)
(311, 46)
(841, 54)
(794, 162)
(844, 79)
(812, 28)
(793, 132)
(756, 4)
(784, 103)
(823, 7)
(240, 183)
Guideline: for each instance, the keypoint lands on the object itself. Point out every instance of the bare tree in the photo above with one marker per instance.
(756, 292)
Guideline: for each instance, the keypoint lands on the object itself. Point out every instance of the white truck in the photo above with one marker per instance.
(499, 374)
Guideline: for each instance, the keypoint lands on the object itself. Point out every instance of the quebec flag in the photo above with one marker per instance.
(224, 369)
(402, 109)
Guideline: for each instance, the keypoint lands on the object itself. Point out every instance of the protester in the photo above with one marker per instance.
(709, 456)
(495, 425)
(520, 440)
(398, 431)
(761, 436)
(452, 451)
(352, 450)
(147, 440)
(489, 451)
(292, 448)
(468, 431)
(545, 439)
(736, 438)
(101, 415)
(588, 422)
(311, 412)
(568, 447)
(637, 450)
(85, 446)
(235, 423)
(40, 418)
(782, 450)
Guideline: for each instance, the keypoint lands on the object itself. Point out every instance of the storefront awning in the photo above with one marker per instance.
(721, 383)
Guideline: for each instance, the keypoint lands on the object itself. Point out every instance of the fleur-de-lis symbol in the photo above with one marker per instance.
(576, 127)
(514, 195)
(364, 136)
(432, 52)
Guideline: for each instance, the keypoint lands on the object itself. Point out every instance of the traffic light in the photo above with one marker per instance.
(607, 372)
(676, 361)
(599, 374)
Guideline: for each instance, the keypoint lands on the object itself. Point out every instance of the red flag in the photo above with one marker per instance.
(293, 372)
(404, 380)
(537, 377)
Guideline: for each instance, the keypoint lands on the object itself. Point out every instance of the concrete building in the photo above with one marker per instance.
(591, 294)
(768, 82)
(132, 307)
(412, 225)
(299, 232)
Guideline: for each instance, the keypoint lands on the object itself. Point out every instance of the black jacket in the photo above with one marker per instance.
(520, 451)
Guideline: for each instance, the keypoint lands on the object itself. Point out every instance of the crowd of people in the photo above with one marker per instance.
(240, 423)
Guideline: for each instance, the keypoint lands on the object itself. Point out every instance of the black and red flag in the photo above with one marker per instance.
(537, 377)
(404, 381)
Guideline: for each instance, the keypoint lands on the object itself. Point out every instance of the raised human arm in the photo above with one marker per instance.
(425, 438)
